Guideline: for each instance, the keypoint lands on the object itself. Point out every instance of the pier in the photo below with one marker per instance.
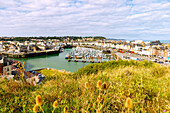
(31, 54)
(84, 61)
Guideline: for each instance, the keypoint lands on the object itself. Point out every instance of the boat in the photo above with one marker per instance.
(79, 57)
(61, 50)
(68, 56)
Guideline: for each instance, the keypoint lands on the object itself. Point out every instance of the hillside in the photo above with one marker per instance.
(102, 87)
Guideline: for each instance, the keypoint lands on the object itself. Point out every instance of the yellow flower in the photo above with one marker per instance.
(83, 111)
(98, 111)
(128, 103)
(39, 100)
(65, 109)
(87, 85)
(55, 104)
(99, 84)
(35, 109)
(104, 85)
(99, 98)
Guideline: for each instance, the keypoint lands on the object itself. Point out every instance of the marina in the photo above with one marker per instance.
(88, 55)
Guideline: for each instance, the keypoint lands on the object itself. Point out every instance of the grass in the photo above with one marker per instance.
(145, 83)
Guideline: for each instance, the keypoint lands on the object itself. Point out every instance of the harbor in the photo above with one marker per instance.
(55, 61)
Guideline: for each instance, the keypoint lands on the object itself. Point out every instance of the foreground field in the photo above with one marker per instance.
(102, 87)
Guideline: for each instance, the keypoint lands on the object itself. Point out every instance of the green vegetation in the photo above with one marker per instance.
(104, 87)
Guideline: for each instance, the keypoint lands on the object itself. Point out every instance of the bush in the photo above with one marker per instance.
(95, 68)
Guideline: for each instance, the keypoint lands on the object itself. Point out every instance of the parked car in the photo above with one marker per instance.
(166, 62)
(41, 77)
(160, 62)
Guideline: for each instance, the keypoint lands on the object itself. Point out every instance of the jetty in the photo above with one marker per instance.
(84, 61)
(31, 54)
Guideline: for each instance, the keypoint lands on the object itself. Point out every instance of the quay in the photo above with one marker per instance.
(85, 61)
(31, 54)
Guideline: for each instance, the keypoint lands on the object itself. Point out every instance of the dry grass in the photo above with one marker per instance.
(147, 85)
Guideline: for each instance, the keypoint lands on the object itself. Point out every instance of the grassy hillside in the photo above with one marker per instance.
(146, 84)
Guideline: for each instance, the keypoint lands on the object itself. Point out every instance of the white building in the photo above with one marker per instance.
(1, 46)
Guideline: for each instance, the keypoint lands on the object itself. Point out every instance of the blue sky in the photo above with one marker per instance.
(127, 19)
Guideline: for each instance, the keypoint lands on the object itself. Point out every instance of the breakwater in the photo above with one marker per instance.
(31, 54)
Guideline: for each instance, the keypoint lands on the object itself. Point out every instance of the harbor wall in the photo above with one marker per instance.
(31, 54)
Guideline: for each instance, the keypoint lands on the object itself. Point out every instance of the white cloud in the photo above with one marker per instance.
(110, 18)
(138, 16)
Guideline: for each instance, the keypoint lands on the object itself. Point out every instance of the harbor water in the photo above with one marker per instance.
(56, 61)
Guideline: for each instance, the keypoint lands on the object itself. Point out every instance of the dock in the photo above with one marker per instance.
(84, 61)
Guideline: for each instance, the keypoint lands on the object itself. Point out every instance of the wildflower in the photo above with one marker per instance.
(129, 103)
(99, 84)
(87, 85)
(35, 109)
(39, 100)
(104, 85)
(98, 111)
(99, 98)
(65, 109)
(83, 111)
(55, 104)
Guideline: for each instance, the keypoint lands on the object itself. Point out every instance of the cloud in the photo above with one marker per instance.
(131, 19)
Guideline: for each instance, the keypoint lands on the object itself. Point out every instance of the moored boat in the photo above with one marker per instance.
(68, 56)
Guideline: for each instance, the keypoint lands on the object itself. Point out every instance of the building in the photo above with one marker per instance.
(154, 52)
(7, 70)
(7, 67)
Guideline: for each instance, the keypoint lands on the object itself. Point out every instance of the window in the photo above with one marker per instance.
(7, 68)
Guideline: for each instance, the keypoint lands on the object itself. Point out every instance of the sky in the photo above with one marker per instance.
(120, 19)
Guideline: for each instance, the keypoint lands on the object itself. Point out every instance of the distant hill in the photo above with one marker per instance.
(115, 39)
(61, 38)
